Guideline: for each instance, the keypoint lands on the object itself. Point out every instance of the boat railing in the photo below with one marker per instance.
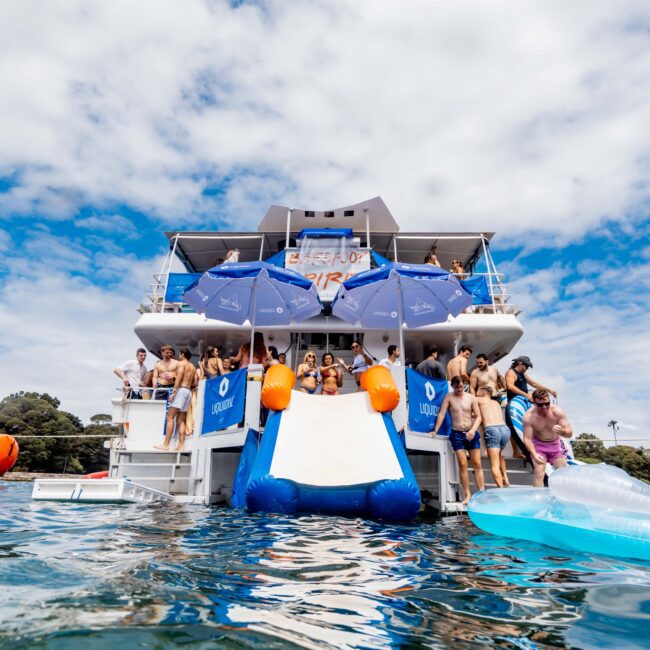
(492, 297)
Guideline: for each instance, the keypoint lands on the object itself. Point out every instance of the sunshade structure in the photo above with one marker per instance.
(394, 294)
(261, 293)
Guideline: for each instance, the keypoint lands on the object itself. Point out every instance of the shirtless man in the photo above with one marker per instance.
(179, 401)
(485, 375)
(545, 425)
(464, 433)
(164, 372)
(497, 433)
(458, 365)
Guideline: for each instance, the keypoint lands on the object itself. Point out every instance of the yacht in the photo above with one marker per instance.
(326, 246)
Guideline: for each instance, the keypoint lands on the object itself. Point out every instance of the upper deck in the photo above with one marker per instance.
(375, 233)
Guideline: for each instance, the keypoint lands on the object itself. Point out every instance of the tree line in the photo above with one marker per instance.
(32, 417)
(634, 460)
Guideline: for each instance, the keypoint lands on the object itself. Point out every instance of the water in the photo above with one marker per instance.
(160, 576)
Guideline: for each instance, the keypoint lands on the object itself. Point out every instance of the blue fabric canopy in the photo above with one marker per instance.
(415, 294)
(322, 233)
(277, 259)
(378, 259)
(259, 292)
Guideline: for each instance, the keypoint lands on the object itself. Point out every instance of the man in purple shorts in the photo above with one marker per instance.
(544, 427)
(464, 437)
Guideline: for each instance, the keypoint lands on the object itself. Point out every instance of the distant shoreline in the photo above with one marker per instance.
(32, 476)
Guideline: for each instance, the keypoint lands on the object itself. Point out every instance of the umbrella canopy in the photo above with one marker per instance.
(261, 293)
(415, 294)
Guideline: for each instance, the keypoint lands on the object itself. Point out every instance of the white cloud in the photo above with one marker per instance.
(504, 116)
(113, 224)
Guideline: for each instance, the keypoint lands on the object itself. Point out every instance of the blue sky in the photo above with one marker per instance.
(528, 119)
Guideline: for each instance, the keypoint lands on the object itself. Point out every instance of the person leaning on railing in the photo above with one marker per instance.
(133, 373)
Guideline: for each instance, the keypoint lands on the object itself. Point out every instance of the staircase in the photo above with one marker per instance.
(167, 471)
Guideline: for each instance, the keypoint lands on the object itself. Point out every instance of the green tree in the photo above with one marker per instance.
(634, 460)
(589, 448)
(33, 417)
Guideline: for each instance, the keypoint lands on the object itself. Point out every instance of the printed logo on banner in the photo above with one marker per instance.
(224, 401)
(425, 395)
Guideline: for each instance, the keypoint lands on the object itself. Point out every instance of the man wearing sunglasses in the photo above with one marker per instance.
(545, 425)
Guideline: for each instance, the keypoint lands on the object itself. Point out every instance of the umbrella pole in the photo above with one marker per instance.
(250, 351)
(399, 318)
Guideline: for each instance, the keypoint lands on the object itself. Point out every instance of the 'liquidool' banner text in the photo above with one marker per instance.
(225, 397)
(425, 398)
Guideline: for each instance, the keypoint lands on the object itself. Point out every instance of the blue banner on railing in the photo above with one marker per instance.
(425, 398)
(478, 287)
(178, 284)
(224, 401)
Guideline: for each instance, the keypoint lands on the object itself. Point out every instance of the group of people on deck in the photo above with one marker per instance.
(473, 402)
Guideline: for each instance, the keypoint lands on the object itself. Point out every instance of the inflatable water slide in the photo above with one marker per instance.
(331, 454)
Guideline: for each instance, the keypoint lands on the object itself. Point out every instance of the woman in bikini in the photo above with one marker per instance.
(259, 351)
(308, 374)
(211, 365)
(331, 375)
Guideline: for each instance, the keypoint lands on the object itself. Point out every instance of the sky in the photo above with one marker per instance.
(120, 120)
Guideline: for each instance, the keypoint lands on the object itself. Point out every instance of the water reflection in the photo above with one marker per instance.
(72, 574)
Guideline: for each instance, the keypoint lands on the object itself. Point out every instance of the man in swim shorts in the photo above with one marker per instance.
(164, 372)
(458, 365)
(179, 401)
(545, 425)
(486, 375)
(497, 434)
(464, 438)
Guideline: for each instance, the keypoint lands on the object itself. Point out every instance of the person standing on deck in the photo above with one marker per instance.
(464, 437)
(164, 372)
(517, 381)
(431, 367)
(361, 362)
(485, 375)
(544, 427)
(179, 401)
(392, 359)
(497, 433)
(133, 373)
(458, 365)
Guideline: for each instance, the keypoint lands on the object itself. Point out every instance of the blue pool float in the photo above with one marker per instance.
(591, 508)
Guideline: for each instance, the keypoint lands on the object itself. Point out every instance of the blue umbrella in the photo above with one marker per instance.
(387, 297)
(261, 293)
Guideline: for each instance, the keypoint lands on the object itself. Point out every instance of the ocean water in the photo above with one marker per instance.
(159, 576)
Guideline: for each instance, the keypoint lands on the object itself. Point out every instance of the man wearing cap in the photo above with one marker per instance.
(517, 384)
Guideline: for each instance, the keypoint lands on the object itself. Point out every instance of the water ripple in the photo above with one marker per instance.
(167, 575)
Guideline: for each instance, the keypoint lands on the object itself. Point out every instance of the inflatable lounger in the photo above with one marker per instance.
(329, 454)
(589, 508)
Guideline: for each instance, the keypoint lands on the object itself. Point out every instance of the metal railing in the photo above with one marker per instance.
(499, 293)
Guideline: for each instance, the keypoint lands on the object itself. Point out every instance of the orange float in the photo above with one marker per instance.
(8, 452)
(103, 474)
(381, 387)
(276, 389)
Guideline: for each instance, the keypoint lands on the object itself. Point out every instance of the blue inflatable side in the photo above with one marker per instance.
(246, 462)
(395, 499)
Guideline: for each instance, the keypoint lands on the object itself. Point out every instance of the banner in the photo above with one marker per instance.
(425, 396)
(224, 401)
(328, 262)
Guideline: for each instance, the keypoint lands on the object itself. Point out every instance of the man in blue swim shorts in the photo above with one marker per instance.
(497, 433)
(464, 438)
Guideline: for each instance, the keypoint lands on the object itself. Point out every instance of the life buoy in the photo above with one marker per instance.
(8, 452)
(103, 474)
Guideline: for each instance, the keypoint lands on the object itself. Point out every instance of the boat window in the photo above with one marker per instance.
(329, 215)
(310, 213)
(348, 213)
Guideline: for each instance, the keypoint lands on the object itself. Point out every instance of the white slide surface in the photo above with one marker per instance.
(331, 441)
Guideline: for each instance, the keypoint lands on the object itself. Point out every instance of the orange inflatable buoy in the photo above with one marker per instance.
(8, 452)
(276, 389)
(379, 382)
(103, 474)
